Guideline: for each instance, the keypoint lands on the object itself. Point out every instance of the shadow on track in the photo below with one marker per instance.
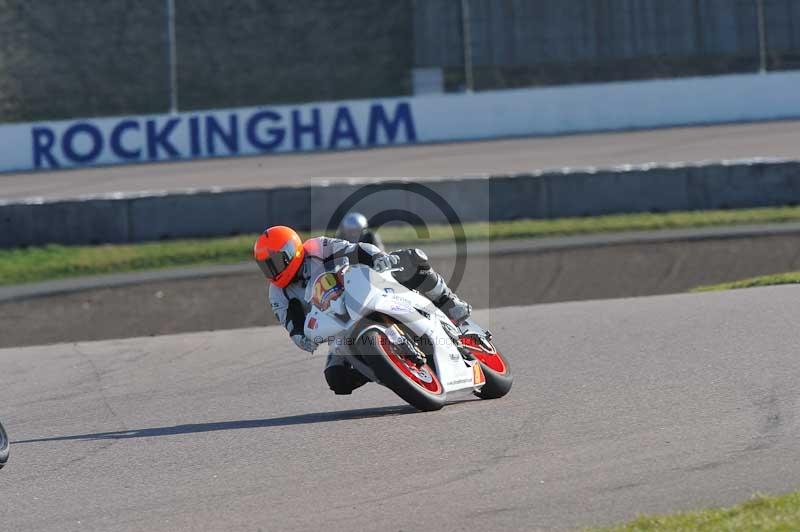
(302, 419)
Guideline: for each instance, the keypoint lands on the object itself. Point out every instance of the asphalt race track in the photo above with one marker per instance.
(620, 406)
(503, 278)
(767, 139)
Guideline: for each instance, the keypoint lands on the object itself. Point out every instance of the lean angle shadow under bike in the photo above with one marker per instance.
(396, 337)
(4, 446)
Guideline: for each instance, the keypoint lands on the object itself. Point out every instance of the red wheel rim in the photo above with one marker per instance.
(485, 352)
(424, 377)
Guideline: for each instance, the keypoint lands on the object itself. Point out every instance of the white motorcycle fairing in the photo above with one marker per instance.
(360, 292)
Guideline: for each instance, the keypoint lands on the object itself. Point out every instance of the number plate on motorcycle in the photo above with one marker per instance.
(327, 288)
(477, 373)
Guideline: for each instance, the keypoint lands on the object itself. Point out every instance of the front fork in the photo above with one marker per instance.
(399, 338)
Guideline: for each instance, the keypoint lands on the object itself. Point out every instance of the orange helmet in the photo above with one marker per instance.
(279, 253)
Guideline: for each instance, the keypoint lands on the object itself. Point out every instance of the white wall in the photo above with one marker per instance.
(435, 118)
(609, 106)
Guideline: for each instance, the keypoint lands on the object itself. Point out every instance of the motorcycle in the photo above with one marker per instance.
(4, 446)
(396, 337)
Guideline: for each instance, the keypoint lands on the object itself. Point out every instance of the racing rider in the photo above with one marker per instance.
(355, 228)
(289, 265)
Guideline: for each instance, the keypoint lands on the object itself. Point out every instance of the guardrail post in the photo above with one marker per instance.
(762, 37)
(466, 41)
(172, 59)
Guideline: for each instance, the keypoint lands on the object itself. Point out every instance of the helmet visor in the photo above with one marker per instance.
(277, 261)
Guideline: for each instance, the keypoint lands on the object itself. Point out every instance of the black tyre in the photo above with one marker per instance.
(494, 365)
(4, 446)
(418, 386)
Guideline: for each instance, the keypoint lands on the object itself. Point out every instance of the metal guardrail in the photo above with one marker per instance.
(546, 194)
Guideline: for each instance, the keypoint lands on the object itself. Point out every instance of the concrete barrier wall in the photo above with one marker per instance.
(424, 119)
(549, 194)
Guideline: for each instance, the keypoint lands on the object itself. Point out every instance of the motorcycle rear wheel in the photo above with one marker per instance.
(418, 386)
(4, 446)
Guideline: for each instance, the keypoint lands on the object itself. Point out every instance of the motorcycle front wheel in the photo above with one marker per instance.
(494, 365)
(4, 446)
(419, 386)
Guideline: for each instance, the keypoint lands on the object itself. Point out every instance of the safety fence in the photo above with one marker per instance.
(86, 58)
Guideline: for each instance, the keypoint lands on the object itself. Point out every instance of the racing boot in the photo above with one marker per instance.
(416, 273)
(342, 379)
(453, 306)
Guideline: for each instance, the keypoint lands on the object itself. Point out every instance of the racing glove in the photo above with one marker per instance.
(384, 261)
(301, 341)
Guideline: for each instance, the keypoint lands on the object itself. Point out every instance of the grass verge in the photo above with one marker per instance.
(54, 261)
(752, 282)
(781, 513)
